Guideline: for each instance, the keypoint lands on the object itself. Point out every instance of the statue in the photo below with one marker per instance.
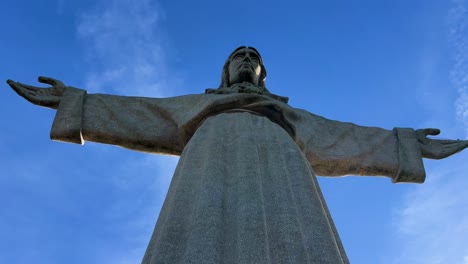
(245, 189)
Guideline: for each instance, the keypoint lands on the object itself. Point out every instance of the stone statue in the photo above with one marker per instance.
(245, 189)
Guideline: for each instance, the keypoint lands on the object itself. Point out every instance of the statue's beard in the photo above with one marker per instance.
(244, 75)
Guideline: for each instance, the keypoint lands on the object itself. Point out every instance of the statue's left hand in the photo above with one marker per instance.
(438, 148)
(48, 97)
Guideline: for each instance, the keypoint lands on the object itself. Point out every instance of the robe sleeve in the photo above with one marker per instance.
(138, 123)
(336, 148)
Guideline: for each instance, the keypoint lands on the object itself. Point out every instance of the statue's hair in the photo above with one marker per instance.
(225, 74)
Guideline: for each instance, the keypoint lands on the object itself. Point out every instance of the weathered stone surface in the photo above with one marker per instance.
(243, 193)
(244, 190)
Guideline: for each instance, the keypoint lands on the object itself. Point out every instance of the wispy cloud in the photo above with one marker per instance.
(126, 48)
(142, 184)
(458, 19)
(432, 224)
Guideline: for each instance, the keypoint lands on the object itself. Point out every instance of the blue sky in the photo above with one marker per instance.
(376, 63)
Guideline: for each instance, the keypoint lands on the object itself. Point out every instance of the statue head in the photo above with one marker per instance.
(244, 65)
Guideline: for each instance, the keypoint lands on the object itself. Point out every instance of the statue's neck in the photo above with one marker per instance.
(246, 87)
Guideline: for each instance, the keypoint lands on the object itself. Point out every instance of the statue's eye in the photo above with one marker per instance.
(238, 57)
(255, 59)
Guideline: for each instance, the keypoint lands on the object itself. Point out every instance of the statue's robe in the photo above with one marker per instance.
(245, 189)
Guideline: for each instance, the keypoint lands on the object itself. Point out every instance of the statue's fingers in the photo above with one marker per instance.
(451, 143)
(51, 81)
(29, 87)
(21, 86)
(454, 147)
(48, 80)
(462, 145)
(28, 94)
(431, 131)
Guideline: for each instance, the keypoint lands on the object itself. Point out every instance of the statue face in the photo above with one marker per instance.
(244, 67)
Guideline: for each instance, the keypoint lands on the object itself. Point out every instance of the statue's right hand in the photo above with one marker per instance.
(47, 97)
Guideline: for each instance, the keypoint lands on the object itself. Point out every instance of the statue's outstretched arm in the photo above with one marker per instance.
(138, 123)
(47, 97)
(438, 148)
(337, 148)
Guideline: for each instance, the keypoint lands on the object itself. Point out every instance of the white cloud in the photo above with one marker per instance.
(458, 18)
(142, 185)
(432, 224)
(432, 221)
(126, 48)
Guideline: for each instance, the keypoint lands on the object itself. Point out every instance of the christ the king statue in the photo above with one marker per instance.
(244, 190)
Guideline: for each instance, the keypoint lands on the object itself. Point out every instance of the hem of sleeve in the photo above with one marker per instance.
(67, 123)
(411, 167)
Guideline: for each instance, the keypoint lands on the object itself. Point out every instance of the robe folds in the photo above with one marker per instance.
(244, 190)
